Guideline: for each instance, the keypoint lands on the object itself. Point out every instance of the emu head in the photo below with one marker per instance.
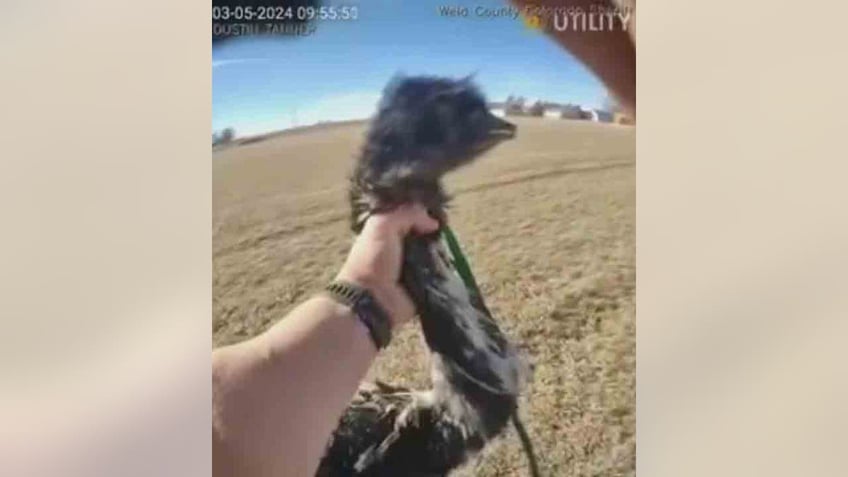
(426, 126)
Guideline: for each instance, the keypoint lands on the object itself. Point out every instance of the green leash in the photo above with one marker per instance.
(459, 260)
(464, 271)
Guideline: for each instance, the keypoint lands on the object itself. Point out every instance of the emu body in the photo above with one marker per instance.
(424, 128)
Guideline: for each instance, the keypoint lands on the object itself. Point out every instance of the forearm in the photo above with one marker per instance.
(277, 397)
(610, 54)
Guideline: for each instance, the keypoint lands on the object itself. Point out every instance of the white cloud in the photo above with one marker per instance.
(219, 63)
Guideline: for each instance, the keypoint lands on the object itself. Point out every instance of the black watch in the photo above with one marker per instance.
(363, 304)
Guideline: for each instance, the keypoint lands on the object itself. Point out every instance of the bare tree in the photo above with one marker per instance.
(226, 136)
(514, 105)
(537, 109)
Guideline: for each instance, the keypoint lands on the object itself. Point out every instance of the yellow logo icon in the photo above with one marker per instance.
(533, 22)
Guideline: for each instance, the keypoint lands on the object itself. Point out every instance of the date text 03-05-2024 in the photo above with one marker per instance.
(281, 13)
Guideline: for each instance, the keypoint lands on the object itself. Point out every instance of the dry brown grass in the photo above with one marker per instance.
(548, 223)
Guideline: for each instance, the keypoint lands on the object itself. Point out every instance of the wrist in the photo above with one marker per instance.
(383, 295)
(366, 307)
(384, 299)
(347, 313)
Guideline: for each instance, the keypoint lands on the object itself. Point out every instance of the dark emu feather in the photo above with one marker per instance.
(424, 128)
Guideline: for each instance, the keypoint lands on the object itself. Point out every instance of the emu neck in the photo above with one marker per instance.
(372, 192)
(476, 371)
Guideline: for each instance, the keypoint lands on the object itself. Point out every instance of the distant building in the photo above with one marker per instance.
(518, 106)
(498, 109)
(597, 115)
(571, 111)
(537, 108)
(552, 112)
(604, 116)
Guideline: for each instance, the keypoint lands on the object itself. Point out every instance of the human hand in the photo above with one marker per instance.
(374, 261)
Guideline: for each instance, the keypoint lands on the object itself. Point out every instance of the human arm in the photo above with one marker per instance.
(277, 397)
(610, 54)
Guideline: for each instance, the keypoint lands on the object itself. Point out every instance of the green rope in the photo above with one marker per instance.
(459, 260)
(464, 271)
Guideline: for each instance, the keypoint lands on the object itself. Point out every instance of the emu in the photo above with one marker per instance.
(424, 128)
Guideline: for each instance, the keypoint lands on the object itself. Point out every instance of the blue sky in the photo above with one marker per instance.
(261, 85)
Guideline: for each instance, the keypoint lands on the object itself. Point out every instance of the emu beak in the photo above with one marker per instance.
(500, 129)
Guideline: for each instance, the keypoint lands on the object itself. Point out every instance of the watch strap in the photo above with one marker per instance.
(366, 308)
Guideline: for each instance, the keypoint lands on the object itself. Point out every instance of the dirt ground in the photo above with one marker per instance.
(548, 224)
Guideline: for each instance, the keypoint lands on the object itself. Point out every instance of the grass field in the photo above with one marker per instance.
(548, 223)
